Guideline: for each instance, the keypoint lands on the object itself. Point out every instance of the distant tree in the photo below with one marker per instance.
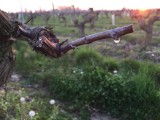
(45, 17)
(62, 18)
(118, 13)
(145, 21)
(31, 17)
(90, 17)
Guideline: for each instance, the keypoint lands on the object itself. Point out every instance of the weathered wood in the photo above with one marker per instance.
(7, 60)
(115, 34)
(6, 54)
(5, 26)
(45, 42)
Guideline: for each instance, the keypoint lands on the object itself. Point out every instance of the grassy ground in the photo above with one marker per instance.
(19, 99)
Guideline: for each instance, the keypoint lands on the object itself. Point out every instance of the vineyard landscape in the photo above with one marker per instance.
(105, 80)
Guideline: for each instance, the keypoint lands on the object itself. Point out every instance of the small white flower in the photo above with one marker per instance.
(152, 55)
(52, 102)
(115, 71)
(74, 71)
(81, 72)
(22, 99)
(75, 118)
(32, 113)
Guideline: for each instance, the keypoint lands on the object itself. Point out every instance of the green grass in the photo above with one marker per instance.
(86, 77)
(13, 109)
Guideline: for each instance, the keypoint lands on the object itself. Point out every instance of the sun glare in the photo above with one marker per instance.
(143, 9)
(18, 5)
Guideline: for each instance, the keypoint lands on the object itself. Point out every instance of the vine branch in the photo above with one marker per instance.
(43, 40)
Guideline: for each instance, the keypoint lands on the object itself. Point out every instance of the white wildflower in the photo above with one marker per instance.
(74, 71)
(23, 100)
(32, 113)
(52, 102)
(81, 72)
(115, 71)
(152, 55)
(75, 118)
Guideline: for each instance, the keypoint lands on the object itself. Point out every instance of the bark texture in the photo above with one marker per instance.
(7, 57)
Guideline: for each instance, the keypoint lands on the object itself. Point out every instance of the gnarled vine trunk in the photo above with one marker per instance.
(6, 61)
(7, 57)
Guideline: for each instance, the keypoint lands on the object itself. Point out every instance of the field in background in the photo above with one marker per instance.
(130, 45)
